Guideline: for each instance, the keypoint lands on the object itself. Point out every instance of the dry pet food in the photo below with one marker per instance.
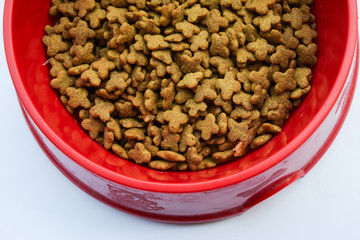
(181, 84)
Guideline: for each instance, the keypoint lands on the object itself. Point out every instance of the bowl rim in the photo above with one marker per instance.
(168, 187)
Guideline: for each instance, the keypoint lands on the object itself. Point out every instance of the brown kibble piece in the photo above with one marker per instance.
(187, 138)
(290, 41)
(187, 29)
(306, 55)
(207, 127)
(96, 16)
(199, 41)
(115, 14)
(196, 13)
(228, 85)
(103, 66)
(260, 140)
(194, 108)
(219, 44)
(260, 77)
(265, 22)
(119, 150)
(190, 80)
(306, 34)
(261, 49)
(54, 44)
(243, 56)
(282, 56)
(260, 6)
(223, 157)
(171, 156)
(94, 126)
(268, 128)
(234, 4)
(302, 76)
(193, 158)
(77, 70)
(91, 77)
(161, 165)
(296, 18)
(118, 82)
(214, 21)
(243, 99)
(84, 6)
(284, 81)
(78, 98)
(139, 154)
(170, 140)
(62, 82)
(102, 109)
(155, 42)
(222, 64)
(81, 33)
(237, 131)
(135, 134)
(176, 118)
(82, 54)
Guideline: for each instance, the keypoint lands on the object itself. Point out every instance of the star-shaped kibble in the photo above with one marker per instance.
(54, 44)
(103, 66)
(102, 109)
(261, 48)
(296, 18)
(284, 81)
(289, 40)
(82, 54)
(62, 81)
(118, 82)
(243, 56)
(196, 13)
(260, 6)
(81, 33)
(219, 44)
(243, 99)
(199, 41)
(96, 16)
(265, 22)
(214, 21)
(228, 85)
(190, 80)
(94, 126)
(187, 29)
(140, 154)
(307, 55)
(170, 140)
(206, 90)
(194, 108)
(78, 97)
(282, 56)
(208, 126)
(176, 118)
(306, 34)
(91, 77)
(84, 6)
(237, 131)
(260, 77)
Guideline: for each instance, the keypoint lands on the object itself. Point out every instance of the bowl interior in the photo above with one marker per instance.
(27, 29)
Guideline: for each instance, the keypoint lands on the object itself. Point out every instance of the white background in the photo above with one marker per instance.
(38, 202)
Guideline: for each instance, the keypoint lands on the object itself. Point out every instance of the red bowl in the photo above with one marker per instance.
(200, 196)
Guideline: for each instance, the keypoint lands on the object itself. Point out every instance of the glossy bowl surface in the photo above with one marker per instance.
(180, 196)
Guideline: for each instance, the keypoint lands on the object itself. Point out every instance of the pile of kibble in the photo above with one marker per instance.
(181, 84)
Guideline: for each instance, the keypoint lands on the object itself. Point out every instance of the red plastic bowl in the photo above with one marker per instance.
(200, 196)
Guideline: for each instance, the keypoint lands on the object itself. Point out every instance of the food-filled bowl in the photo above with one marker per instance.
(190, 196)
